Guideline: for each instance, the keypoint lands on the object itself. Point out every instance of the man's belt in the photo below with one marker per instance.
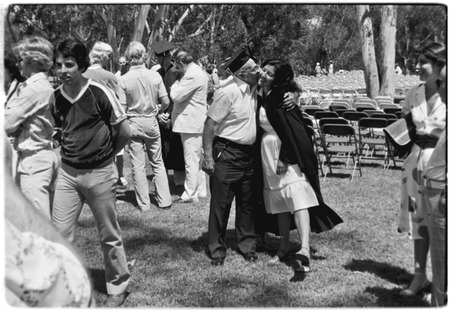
(232, 144)
(434, 183)
(426, 141)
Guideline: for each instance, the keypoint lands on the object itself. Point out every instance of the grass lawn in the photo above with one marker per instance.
(363, 262)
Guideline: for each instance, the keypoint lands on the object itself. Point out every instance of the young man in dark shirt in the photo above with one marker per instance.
(93, 130)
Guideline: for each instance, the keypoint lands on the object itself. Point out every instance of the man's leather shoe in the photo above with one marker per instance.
(251, 257)
(217, 261)
(113, 301)
(165, 207)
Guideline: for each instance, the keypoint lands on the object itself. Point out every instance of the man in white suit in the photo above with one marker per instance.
(188, 116)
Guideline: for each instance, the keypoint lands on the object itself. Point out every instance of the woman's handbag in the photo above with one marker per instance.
(401, 135)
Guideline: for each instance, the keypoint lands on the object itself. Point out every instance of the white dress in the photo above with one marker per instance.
(286, 192)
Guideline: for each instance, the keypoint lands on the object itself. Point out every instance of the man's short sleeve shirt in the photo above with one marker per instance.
(86, 125)
(234, 110)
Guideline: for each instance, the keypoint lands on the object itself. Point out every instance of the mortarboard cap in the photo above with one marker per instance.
(239, 59)
(162, 47)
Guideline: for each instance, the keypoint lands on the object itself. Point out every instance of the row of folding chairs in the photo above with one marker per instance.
(356, 136)
(340, 109)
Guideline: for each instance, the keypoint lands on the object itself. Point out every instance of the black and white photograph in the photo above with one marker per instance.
(224, 154)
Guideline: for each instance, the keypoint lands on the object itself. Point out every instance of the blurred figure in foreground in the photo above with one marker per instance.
(42, 269)
(434, 194)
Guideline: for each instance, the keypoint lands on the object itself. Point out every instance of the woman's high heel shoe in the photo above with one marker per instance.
(303, 256)
(414, 291)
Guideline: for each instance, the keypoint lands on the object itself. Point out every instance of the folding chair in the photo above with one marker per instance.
(361, 106)
(372, 139)
(334, 150)
(354, 117)
(350, 94)
(383, 105)
(325, 104)
(399, 114)
(344, 101)
(371, 112)
(308, 121)
(324, 114)
(338, 140)
(337, 93)
(341, 112)
(316, 144)
(362, 92)
(384, 115)
(338, 106)
(325, 94)
(312, 110)
(392, 110)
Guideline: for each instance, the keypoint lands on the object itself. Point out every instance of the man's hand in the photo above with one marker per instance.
(164, 120)
(290, 101)
(281, 167)
(208, 164)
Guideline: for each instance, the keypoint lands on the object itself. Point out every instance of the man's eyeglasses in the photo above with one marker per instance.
(122, 64)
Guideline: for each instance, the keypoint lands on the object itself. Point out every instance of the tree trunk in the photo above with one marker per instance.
(368, 50)
(157, 29)
(180, 21)
(107, 14)
(139, 24)
(387, 44)
(213, 27)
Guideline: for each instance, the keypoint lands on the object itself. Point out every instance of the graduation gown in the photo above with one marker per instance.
(296, 148)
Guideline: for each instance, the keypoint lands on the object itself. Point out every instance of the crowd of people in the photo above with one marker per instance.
(239, 123)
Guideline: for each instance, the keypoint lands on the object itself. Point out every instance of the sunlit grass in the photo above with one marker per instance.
(363, 262)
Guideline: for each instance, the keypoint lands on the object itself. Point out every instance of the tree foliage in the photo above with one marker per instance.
(303, 33)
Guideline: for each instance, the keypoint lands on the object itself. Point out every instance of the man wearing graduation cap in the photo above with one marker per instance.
(172, 148)
(228, 138)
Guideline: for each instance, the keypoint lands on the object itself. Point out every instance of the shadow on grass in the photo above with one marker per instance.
(391, 298)
(399, 276)
(386, 271)
(98, 280)
(127, 196)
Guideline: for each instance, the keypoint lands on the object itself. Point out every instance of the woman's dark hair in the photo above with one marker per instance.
(284, 75)
(10, 65)
(436, 52)
(74, 48)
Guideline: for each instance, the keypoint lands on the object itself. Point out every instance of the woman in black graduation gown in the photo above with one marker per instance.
(289, 165)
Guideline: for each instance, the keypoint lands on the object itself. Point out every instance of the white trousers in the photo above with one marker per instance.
(195, 182)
